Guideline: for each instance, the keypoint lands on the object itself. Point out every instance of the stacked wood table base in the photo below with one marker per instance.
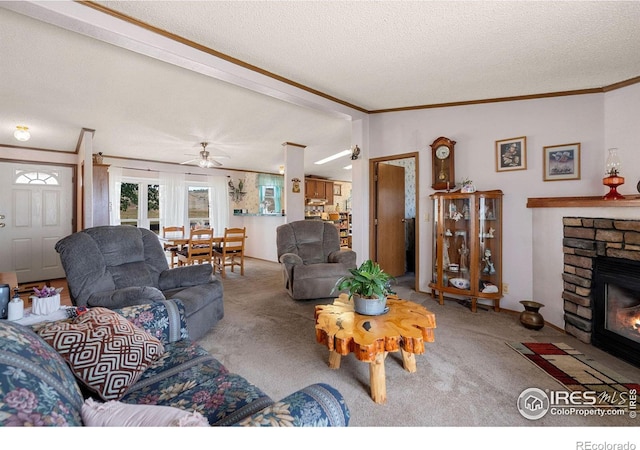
(405, 328)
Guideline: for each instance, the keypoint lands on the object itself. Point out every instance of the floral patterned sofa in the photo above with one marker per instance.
(39, 388)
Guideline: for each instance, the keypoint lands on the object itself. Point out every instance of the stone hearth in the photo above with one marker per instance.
(586, 238)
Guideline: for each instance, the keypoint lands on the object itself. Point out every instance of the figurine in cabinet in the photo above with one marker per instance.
(445, 254)
(464, 252)
(489, 267)
(465, 211)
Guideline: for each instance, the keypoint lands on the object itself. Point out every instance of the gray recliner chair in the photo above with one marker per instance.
(311, 258)
(117, 266)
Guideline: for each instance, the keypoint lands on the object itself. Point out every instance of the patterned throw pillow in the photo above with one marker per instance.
(105, 351)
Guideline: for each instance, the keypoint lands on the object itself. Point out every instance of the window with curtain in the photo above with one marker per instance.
(218, 203)
(198, 207)
(139, 205)
(173, 200)
(270, 189)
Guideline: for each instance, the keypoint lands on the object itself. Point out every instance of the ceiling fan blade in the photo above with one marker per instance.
(213, 162)
(190, 161)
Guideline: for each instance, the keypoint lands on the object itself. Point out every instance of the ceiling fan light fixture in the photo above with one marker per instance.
(22, 133)
(204, 159)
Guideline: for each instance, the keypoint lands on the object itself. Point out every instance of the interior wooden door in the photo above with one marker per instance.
(36, 206)
(390, 219)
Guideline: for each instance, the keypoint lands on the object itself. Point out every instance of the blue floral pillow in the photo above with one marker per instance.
(37, 387)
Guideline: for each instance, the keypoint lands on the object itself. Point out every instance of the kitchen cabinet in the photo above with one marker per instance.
(316, 189)
(467, 246)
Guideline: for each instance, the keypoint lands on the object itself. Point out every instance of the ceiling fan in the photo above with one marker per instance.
(206, 160)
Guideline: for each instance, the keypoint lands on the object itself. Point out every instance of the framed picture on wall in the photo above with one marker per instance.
(337, 189)
(561, 162)
(511, 154)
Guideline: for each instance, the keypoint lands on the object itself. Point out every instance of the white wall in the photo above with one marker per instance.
(544, 122)
(621, 129)
(261, 235)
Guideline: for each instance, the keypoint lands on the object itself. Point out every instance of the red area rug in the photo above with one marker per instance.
(577, 372)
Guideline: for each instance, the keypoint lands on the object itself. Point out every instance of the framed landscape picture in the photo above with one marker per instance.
(511, 154)
(561, 162)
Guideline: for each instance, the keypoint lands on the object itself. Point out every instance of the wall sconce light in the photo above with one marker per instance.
(355, 152)
(281, 170)
(22, 133)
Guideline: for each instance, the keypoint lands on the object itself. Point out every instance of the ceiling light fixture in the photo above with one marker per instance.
(332, 157)
(22, 133)
(349, 167)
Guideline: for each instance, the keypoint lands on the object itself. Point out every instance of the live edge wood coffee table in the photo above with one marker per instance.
(405, 327)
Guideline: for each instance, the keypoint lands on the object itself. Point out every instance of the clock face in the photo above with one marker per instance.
(442, 152)
(442, 163)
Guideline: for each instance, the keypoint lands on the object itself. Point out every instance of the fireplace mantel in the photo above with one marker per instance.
(582, 202)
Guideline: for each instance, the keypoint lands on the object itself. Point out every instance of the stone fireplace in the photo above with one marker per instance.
(607, 243)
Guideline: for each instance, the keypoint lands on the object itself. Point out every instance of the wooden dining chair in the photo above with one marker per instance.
(199, 249)
(230, 252)
(171, 247)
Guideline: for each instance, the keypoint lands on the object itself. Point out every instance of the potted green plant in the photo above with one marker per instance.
(369, 286)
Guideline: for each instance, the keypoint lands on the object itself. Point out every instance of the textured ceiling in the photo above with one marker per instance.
(390, 54)
(371, 55)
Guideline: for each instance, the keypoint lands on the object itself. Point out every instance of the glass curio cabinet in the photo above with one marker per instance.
(467, 246)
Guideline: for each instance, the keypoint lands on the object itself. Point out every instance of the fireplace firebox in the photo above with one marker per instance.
(616, 307)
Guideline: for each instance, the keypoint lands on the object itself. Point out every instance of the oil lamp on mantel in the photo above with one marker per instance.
(613, 179)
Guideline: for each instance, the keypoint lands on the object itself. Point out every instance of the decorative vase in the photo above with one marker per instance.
(369, 306)
(530, 317)
(43, 306)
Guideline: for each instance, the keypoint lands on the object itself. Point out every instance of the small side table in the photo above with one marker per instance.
(31, 319)
(405, 327)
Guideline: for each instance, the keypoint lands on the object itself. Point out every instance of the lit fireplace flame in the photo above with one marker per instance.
(627, 320)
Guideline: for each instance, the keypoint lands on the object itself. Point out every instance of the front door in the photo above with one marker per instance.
(390, 219)
(36, 210)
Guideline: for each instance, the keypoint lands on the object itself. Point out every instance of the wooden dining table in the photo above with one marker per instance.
(180, 241)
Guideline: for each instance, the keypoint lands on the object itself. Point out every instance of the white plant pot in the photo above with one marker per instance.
(45, 305)
(369, 306)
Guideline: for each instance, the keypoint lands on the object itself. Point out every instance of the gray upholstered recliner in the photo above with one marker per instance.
(311, 258)
(118, 266)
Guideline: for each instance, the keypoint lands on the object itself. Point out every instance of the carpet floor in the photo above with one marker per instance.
(467, 377)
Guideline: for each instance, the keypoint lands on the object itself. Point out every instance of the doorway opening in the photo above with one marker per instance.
(394, 230)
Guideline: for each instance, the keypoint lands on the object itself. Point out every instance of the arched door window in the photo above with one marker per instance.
(37, 177)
